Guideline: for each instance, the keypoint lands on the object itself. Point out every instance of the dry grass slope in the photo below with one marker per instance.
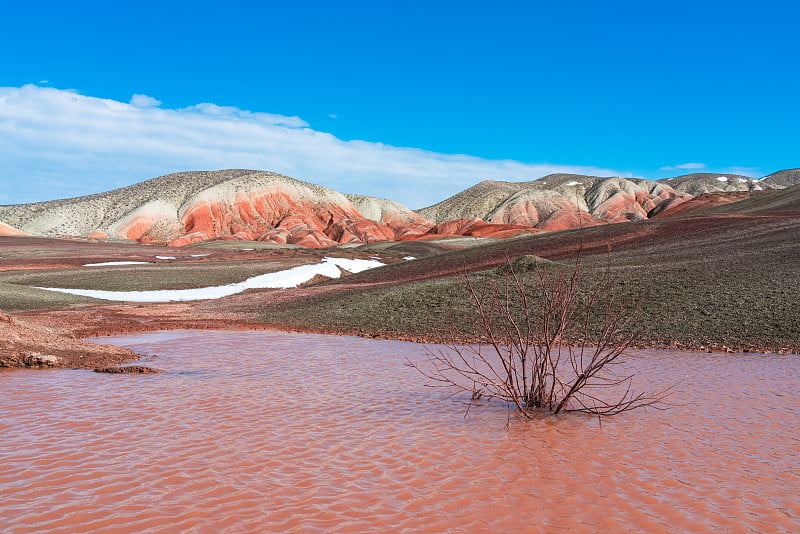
(708, 281)
(785, 200)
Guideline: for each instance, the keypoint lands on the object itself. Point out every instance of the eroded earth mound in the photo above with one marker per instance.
(188, 207)
(24, 344)
(185, 208)
(700, 183)
(559, 201)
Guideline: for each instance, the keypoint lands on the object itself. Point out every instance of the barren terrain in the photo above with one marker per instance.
(722, 276)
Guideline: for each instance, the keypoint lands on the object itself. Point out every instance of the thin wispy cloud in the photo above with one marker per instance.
(57, 143)
(144, 101)
(228, 112)
(702, 167)
(752, 172)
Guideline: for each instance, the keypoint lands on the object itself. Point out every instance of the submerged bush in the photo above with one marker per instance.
(548, 345)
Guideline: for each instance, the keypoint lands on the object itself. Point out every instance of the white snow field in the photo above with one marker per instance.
(116, 263)
(279, 280)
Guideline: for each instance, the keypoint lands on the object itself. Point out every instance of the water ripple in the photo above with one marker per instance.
(279, 432)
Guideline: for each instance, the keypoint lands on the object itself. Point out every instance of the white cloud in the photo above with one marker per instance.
(333, 115)
(684, 167)
(144, 101)
(56, 143)
(227, 112)
(752, 172)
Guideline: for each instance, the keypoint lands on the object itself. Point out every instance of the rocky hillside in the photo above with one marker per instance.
(559, 201)
(705, 182)
(784, 202)
(780, 179)
(701, 183)
(24, 344)
(189, 207)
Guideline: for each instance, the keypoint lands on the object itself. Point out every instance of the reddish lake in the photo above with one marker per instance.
(278, 432)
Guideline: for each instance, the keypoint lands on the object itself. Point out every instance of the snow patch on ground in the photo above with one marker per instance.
(117, 263)
(409, 258)
(722, 178)
(199, 255)
(279, 280)
(742, 180)
(165, 257)
(572, 183)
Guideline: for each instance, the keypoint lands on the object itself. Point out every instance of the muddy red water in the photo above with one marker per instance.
(279, 432)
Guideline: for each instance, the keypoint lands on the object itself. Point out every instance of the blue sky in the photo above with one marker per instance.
(521, 88)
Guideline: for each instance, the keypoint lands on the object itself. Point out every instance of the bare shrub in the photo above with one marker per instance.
(548, 345)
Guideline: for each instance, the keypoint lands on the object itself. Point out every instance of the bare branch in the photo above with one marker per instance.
(552, 343)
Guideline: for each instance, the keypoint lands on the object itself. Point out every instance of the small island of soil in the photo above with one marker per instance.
(129, 369)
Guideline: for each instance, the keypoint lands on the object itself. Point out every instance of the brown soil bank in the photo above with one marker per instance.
(24, 344)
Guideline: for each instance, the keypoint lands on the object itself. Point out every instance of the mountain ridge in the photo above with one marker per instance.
(193, 206)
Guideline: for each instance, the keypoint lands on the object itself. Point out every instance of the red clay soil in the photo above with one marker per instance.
(113, 319)
(72, 252)
(473, 227)
(9, 230)
(26, 344)
(64, 253)
(709, 200)
(275, 215)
